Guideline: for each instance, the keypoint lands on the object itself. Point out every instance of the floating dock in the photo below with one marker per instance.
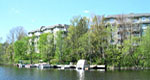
(43, 66)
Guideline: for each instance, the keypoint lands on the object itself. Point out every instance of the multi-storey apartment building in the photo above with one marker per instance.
(46, 29)
(127, 25)
(123, 27)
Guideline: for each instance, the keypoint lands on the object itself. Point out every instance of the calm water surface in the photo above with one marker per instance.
(14, 73)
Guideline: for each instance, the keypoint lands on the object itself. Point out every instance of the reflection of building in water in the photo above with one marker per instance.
(81, 74)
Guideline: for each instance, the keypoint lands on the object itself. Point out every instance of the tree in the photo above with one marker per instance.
(77, 29)
(143, 50)
(70, 46)
(31, 48)
(100, 36)
(15, 34)
(10, 53)
(129, 42)
(84, 46)
(46, 46)
(50, 47)
(21, 49)
(1, 51)
(59, 46)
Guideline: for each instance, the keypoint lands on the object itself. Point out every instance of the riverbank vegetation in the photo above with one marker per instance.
(89, 39)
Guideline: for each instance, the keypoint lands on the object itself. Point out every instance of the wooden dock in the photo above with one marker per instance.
(43, 66)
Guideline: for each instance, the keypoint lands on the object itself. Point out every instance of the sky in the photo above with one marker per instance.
(31, 14)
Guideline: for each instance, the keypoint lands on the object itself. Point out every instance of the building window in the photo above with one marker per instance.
(143, 32)
(112, 41)
(143, 18)
(148, 18)
(111, 20)
(135, 20)
(144, 26)
(127, 33)
(119, 42)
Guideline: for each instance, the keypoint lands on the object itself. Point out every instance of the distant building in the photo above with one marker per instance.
(46, 29)
(127, 25)
(124, 26)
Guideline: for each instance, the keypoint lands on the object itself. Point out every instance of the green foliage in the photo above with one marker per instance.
(20, 49)
(1, 52)
(100, 36)
(143, 51)
(76, 32)
(9, 53)
(59, 46)
(85, 39)
(46, 46)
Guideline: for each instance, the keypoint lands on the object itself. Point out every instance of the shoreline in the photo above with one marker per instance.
(112, 68)
(128, 68)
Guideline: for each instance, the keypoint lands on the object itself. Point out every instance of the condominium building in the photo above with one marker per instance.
(125, 26)
(46, 29)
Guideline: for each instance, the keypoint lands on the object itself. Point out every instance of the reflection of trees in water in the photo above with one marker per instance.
(81, 74)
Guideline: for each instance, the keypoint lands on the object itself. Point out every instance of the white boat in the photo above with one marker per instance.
(20, 65)
(30, 66)
(43, 65)
(82, 65)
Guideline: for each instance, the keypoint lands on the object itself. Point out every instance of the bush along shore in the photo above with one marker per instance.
(88, 39)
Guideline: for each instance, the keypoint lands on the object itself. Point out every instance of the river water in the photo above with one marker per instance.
(14, 73)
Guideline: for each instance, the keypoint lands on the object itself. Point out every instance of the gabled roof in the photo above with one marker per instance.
(129, 15)
(42, 28)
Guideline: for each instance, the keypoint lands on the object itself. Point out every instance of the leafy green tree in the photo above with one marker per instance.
(113, 55)
(4, 54)
(77, 29)
(70, 46)
(46, 46)
(59, 46)
(42, 44)
(100, 36)
(31, 49)
(20, 49)
(15, 34)
(1, 51)
(143, 50)
(50, 47)
(84, 46)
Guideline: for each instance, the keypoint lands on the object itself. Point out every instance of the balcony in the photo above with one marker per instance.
(37, 34)
(145, 20)
(144, 27)
(30, 35)
(135, 29)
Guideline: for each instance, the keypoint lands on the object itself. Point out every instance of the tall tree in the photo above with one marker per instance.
(143, 51)
(77, 29)
(15, 34)
(59, 45)
(31, 48)
(46, 46)
(21, 49)
(100, 37)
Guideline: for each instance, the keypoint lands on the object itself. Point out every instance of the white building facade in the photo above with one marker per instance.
(46, 29)
(130, 25)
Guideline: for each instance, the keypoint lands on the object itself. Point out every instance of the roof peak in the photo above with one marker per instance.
(130, 15)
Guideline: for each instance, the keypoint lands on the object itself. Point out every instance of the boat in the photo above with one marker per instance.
(44, 65)
(82, 65)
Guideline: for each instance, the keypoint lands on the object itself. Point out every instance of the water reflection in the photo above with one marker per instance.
(14, 73)
(81, 74)
(102, 70)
